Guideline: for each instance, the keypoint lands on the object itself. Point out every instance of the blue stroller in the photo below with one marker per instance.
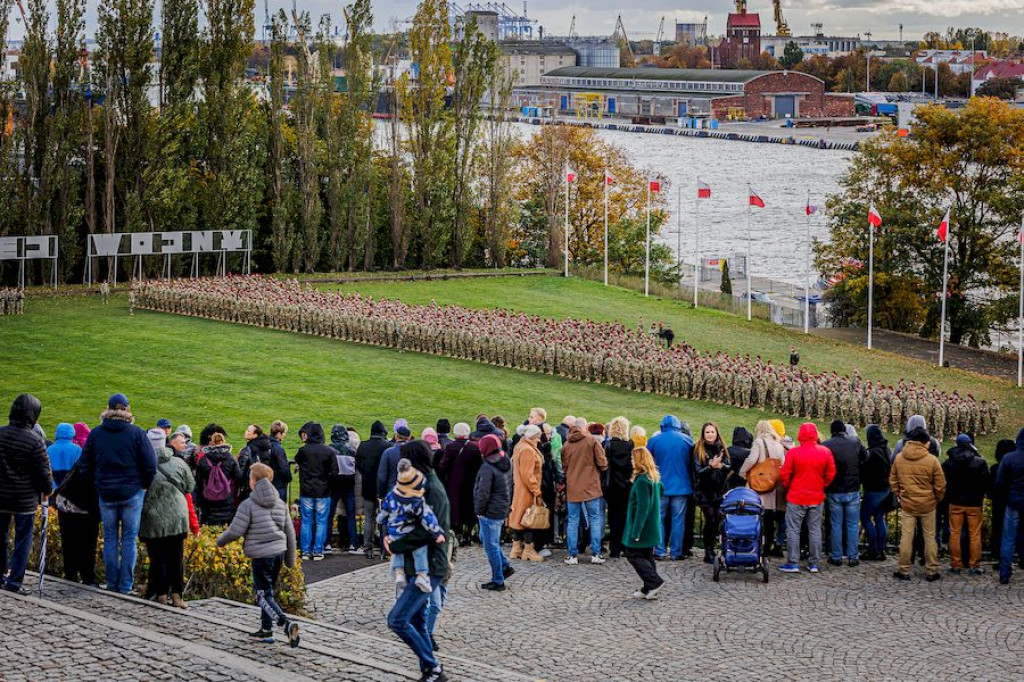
(742, 539)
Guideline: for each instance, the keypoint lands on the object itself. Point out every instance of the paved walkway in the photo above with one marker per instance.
(580, 623)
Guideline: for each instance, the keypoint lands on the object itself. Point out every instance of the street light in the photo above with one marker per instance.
(970, 87)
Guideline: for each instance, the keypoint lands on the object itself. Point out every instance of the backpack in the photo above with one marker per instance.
(217, 487)
(763, 477)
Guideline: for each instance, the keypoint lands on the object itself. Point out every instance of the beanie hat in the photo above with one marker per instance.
(403, 431)
(184, 428)
(837, 427)
(410, 480)
(444, 426)
(400, 423)
(157, 438)
(378, 429)
(118, 401)
(919, 435)
(639, 441)
(489, 445)
(779, 426)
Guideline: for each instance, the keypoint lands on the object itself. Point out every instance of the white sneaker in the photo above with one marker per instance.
(400, 579)
(653, 594)
(597, 559)
(357, 550)
(423, 583)
(546, 553)
(639, 595)
(571, 560)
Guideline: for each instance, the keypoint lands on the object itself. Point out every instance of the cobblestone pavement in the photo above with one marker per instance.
(580, 622)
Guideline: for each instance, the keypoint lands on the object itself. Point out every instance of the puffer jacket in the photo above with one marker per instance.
(213, 512)
(63, 453)
(24, 465)
(264, 522)
(345, 479)
(620, 469)
(848, 454)
(966, 472)
(119, 457)
(491, 496)
(318, 463)
(165, 510)
(808, 469)
(917, 480)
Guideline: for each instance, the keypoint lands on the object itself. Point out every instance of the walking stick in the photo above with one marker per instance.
(195, 546)
(42, 541)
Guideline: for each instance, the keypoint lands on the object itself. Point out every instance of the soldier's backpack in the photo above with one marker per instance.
(217, 487)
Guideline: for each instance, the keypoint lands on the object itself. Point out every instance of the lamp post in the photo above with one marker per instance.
(970, 87)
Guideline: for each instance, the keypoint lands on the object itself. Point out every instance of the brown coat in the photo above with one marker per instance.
(526, 476)
(583, 459)
(917, 480)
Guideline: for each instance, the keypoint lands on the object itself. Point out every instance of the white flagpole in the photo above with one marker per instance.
(747, 268)
(945, 271)
(567, 221)
(647, 247)
(606, 227)
(679, 233)
(696, 247)
(871, 275)
(1020, 311)
(807, 271)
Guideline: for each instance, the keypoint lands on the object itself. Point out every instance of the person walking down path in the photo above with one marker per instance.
(165, 523)
(643, 529)
(673, 454)
(918, 483)
(492, 502)
(1009, 486)
(805, 474)
(265, 526)
(967, 482)
(121, 461)
(25, 479)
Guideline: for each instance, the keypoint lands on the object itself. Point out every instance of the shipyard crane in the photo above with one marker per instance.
(781, 27)
(657, 41)
(572, 28)
(620, 35)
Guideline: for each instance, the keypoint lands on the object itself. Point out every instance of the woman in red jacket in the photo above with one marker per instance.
(807, 471)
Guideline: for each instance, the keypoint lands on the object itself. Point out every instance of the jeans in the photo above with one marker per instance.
(674, 525)
(348, 499)
(166, 569)
(78, 535)
(370, 524)
(490, 538)
(420, 560)
(908, 524)
(843, 517)
(957, 516)
(408, 620)
(1011, 520)
(642, 561)
(876, 531)
(435, 605)
(594, 519)
(796, 514)
(264, 578)
(121, 524)
(313, 510)
(22, 546)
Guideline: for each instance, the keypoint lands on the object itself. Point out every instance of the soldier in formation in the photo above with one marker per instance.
(582, 350)
(12, 301)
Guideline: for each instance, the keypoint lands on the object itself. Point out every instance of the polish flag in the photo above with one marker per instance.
(703, 190)
(874, 217)
(654, 186)
(609, 179)
(570, 174)
(943, 231)
(756, 200)
(811, 209)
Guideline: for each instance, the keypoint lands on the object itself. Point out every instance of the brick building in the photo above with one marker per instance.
(742, 37)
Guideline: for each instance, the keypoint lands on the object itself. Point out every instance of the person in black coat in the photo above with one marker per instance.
(215, 468)
(492, 501)
(78, 511)
(712, 467)
(318, 464)
(878, 501)
(367, 464)
(843, 495)
(282, 470)
(1003, 447)
(620, 472)
(967, 481)
(25, 478)
(742, 441)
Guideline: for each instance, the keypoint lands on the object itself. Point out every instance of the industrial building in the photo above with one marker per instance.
(529, 60)
(812, 45)
(742, 36)
(718, 93)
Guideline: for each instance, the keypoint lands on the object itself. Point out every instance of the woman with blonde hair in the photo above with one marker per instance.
(620, 479)
(768, 446)
(643, 522)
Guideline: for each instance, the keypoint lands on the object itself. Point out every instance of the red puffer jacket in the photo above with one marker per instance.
(808, 469)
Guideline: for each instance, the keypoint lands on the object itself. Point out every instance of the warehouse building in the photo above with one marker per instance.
(720, 93)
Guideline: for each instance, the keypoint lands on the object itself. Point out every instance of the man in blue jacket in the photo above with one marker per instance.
(673, 453)
(1010, 486)
(121, 461)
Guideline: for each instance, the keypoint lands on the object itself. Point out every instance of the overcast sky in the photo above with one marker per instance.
(641, 17)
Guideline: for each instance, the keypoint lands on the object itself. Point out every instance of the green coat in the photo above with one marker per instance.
(439, 554)
(643, 516)
(165, 510)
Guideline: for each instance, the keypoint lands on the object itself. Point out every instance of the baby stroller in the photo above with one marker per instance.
(742, 540)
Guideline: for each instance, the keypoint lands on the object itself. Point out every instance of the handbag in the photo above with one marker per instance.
(536, 517)
(763, 477)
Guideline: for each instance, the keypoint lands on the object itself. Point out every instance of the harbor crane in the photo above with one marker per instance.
(657, 41)
(620, 35)
(781, 27)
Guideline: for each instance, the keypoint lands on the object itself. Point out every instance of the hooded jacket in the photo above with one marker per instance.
(368, 459)
(583, 460)
(81, 434)
(261, 449)
(24, 464)
(264, 522)
(848, 454)
(620, 469)
(917, 479)
(318, 462)
(673, 454)
(484, 427)
(1009, 483)
(492, 498)
(63, 453)
(165, 510)
(119, 457)
(809, 468)
(874, 472)
(742, 440)
(217, 512)
(966, 472)
(345, 479)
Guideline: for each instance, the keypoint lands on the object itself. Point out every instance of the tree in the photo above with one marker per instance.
(1001, 88)
(498, 213)
(967, 161)
(791, 56)
(899, 82)
(281, 188)
(726, 286)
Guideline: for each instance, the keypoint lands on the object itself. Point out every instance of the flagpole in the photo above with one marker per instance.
(807, 270)
(606, 227)
(567, 221)
(1020, 311)
(647, 247)
(871, 275)
(747, 268)
(945, 271)
(696, 246)
(679, 233)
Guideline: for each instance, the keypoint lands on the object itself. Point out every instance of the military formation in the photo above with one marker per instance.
(582, 350)
(12, 301)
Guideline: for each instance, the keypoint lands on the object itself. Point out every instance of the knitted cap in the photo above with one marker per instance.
(410, 480)
(118, 401)
(157, 438)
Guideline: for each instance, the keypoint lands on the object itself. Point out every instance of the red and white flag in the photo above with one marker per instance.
(609, 179)
(703, 190)
(570, 175)
(874, 217)
(943, 231)
(756, 200)
(811, 209)
(654, 186)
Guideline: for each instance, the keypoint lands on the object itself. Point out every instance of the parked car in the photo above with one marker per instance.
(814, 299)
(757, 297)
